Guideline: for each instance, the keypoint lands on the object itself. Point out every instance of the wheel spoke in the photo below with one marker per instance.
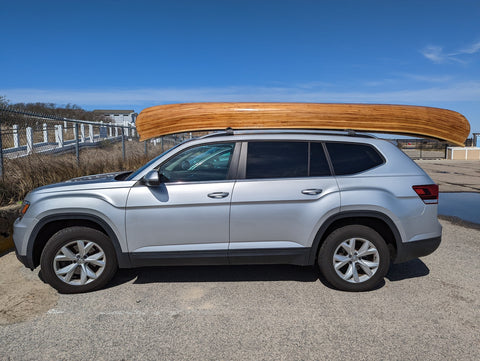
(81, 248)
(347, 275)
(365, 268)
(88, 247)
(96, 263)
(83, 275)
(340, 261)
(90, 273)
(368, 252)
(349, 246)
(365, 246)
(66, 269)
(95, 256)
(69, 255)
(368, 264)
(355, 274)
(64, 258)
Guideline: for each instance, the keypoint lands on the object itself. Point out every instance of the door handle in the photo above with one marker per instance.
(218, 195)
(312, 192)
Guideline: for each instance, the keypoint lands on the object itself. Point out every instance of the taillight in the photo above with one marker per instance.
(428, 193)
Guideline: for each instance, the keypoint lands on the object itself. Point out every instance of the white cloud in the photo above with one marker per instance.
(472, 49)
(428, 78)
(437, 55)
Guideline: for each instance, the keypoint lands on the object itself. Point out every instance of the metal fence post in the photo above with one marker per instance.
(77, 145)
(123, 144)
(90, 132)
(59, 136)
(29, 140)
(161, 140)
(16, 139)
(45, 133)
(1, 154)
(82, 133)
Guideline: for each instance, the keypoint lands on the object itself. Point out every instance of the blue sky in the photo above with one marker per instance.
(135, 54)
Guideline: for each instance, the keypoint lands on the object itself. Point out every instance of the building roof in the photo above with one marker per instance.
(110, 111)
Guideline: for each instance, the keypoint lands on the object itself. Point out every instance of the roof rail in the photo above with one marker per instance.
(346, 132)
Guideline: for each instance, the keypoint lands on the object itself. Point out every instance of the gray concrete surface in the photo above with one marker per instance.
(453, 175)
(427, 309)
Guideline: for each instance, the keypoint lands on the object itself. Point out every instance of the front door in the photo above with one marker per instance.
(188, 214)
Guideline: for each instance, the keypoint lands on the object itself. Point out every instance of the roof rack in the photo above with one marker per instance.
(230, 131)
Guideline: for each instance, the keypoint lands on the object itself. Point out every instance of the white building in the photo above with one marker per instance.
(121, 117)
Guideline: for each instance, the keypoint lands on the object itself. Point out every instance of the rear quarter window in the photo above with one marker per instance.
(350, 158)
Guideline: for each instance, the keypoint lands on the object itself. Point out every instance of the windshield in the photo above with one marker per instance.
(154, 160)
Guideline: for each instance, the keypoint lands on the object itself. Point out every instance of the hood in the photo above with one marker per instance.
(96, 177)
(95, 181)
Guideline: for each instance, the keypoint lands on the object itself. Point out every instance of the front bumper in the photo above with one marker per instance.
(22, 259)
(411, 250)
(20, 232)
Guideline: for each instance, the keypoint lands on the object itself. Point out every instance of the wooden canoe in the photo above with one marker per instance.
(411, 120)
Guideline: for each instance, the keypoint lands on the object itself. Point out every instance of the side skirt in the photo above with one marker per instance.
(294, 256)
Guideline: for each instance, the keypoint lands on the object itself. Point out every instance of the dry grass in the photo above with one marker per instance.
(24, 174)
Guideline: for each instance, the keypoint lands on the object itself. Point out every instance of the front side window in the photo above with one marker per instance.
(209, 162)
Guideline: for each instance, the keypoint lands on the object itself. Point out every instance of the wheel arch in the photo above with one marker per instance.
(49, 225)
(375, 220)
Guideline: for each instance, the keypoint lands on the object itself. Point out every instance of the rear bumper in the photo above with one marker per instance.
(411, 250)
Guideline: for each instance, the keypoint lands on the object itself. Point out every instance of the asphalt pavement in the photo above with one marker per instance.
(427, 309)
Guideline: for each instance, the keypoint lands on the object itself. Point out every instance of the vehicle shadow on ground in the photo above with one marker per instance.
(253, 273)
(411, 269)
(250, 273)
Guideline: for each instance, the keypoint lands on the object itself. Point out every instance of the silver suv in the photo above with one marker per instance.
(350, 203)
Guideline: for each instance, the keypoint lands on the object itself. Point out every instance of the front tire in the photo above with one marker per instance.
(78, 259)
(354, 258)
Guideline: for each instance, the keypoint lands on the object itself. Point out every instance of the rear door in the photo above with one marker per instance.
(287, 191)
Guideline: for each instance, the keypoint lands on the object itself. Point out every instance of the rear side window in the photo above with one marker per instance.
(286, 160)
(349, 158)
(277, 160)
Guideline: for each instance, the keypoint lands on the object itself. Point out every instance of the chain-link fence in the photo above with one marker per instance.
(423, 148)
(40, 149)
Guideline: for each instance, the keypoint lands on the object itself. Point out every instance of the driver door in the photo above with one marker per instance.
(187, 216)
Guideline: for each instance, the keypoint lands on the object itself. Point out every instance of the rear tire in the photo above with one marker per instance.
(354, 258)
(78, 259)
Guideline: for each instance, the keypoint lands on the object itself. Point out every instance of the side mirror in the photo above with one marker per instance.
(152, 179)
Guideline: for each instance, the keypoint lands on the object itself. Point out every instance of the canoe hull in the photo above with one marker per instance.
(430, 122)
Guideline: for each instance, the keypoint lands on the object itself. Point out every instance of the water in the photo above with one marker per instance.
(462, 205)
